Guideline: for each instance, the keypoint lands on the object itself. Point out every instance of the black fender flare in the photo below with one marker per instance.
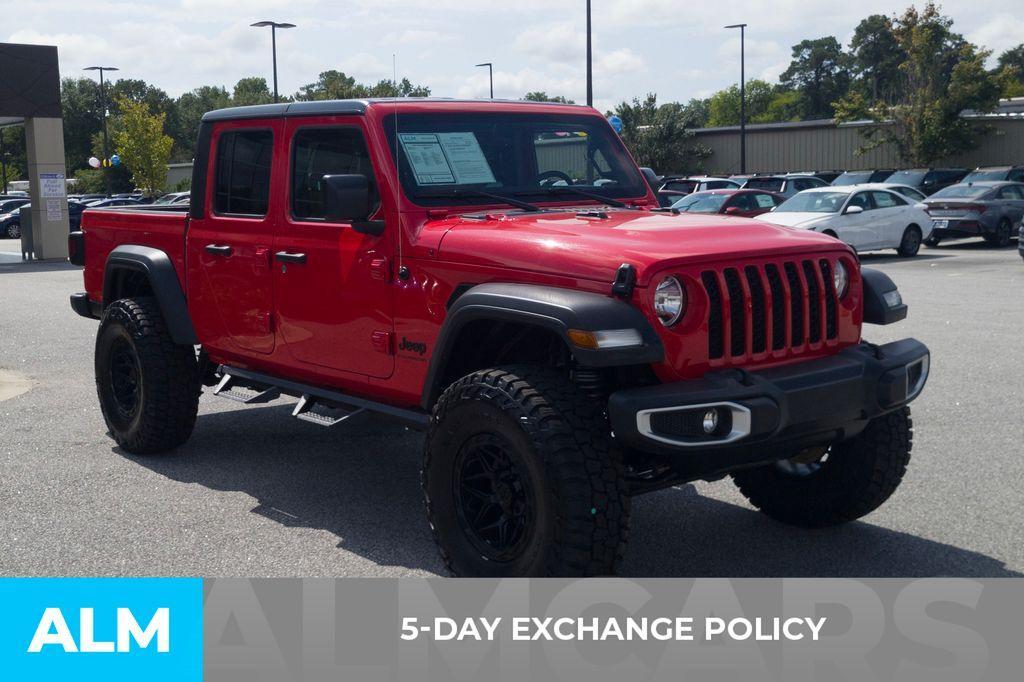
(156, 265)
(552, 308)
(876, 310)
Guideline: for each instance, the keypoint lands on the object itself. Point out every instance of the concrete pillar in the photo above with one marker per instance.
(44, 139)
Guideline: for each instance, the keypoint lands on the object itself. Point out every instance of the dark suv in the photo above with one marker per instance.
(928, 180)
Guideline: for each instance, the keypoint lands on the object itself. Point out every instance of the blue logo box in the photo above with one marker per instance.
(101, 629)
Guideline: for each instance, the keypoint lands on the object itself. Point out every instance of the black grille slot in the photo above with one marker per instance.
(737, 312)
(830, 300)
(757, 323)
(813, 301)
(778, 307)
(796, 297)
(715, 342)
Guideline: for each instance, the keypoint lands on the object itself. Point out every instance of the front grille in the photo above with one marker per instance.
(775, 307)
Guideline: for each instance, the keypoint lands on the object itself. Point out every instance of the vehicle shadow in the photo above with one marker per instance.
(877, 257)
(13, 265)
(360, 482)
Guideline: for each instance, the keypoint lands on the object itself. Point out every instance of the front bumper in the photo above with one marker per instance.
(769, 414)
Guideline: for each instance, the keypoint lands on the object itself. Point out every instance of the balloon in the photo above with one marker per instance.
(94, 162)
(616, 123)
(115, 160)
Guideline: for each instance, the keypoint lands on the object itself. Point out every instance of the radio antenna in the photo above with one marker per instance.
(402, 272)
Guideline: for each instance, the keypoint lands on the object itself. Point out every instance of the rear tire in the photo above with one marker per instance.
(148, 385)
(520, 480)
(856, 478)
(13, 230)
(1001, 237)
(910, 244)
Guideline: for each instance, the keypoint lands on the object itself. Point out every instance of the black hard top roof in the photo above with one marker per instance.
(343, 107)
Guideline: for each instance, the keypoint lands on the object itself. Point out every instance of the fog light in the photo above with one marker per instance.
(710, 421)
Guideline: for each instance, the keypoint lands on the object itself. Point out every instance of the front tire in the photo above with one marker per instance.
(13, 230)
(856, 478)
(148, 385)
(520, 480)
(910, 244)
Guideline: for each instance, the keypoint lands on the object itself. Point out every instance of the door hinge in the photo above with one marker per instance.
(380, 270)
(382, 342)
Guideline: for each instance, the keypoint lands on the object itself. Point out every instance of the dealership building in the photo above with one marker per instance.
(827, 145)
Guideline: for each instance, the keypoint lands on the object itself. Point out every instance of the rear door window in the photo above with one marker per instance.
(243, 172)
(1012, 192)
(887, 200)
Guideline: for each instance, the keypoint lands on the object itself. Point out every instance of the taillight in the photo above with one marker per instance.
(76, 248)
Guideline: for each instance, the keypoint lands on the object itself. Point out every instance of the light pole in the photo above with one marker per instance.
(274, 25)
(743, 98)
(590, 63)
(105, 164)
(490, 74)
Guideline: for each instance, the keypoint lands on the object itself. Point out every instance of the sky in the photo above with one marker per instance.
(674, 48)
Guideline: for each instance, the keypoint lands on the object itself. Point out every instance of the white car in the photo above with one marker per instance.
(866, 217)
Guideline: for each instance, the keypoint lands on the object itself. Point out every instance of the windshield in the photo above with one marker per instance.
(813, 202)
(853, 178)
(701, 203)
(981, 175)
(907, 177)
(770, 184)
(961, 192)
(445, 157)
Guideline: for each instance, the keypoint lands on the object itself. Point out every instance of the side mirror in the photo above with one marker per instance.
(853, 210)
(732, 210)
(347, 200)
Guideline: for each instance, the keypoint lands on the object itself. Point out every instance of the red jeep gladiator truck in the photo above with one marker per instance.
(500, 275)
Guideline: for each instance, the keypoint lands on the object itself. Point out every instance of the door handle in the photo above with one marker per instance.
(286, 257)
(218, 249)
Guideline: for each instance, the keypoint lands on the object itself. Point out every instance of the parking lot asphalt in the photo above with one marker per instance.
(256, 493)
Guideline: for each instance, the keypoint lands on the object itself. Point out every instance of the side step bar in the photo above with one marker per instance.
(322, 406)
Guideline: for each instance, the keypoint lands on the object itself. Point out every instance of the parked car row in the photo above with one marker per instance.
(11, 207)
(871, 215)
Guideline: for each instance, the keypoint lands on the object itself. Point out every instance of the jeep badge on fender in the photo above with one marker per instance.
(564, 344)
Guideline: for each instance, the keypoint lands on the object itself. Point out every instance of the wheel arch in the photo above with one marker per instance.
(530, 319)
(133, 270)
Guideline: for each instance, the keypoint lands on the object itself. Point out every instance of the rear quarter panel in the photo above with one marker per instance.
(106, 229)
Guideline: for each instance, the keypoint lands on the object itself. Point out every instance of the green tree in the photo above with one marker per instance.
(338, 85)
(191, 106)
(1009, 72)
(943, 76)
(80, 109)
(657, 136)
(697, 112)
(541, 96)
(724, 105)
(144, 148)
(820, 71)
(877, 56)
(251, 90)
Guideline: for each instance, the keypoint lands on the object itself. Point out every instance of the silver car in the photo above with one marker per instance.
(992, 210)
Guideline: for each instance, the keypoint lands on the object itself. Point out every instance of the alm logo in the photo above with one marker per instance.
(53, 630)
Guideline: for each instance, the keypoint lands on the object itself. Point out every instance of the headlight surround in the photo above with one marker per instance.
(669, 301)
(840, 279)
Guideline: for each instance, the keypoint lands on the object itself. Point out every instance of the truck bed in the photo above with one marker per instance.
(161, 227)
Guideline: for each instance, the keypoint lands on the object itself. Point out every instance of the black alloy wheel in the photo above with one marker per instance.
(493, 497)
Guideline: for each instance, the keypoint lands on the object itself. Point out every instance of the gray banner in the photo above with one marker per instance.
(614, 629)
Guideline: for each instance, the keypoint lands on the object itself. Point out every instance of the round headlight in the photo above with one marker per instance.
(840, 279)
(669, 301)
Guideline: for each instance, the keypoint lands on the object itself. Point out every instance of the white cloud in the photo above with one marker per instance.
(560, 42)
(412, 36)
(1001, 32)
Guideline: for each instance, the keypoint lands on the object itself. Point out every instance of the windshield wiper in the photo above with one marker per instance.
(565, 189)
(460, 193)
